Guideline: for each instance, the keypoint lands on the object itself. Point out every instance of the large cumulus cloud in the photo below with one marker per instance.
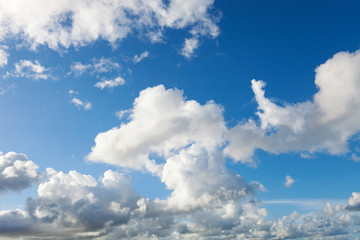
(324, 124)
(17, 172)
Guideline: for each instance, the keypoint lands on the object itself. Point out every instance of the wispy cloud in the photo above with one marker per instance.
(31, 69)
(81, 104)
(137, 59)
(118, 81)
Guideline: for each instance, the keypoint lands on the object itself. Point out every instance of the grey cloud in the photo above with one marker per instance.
(17, 172)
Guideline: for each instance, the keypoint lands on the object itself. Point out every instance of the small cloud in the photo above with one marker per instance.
(81, 104)
(355, 157)
(3, 56)
(189, 47)
(6, 89)
(121, 114)
(110, 83)
(73, 92)
(306, 155)
(29, 69)
(104, 65)
(289, 181)
(138, 59)
(78, 68)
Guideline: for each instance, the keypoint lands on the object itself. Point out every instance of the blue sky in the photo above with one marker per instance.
(179, 119)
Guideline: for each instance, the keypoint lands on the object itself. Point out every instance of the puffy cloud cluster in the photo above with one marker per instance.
(324, 124)
(77, 206)
(17, 172)
(65, 23)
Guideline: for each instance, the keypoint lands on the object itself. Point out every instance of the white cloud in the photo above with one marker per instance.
(122, 113)
(17, 172)
(29, 69)
(96, 66)
(177, 122)
(104, 65)
(65, 23)
(307, 126)
(143, 55)
(353, 203)
(78, 68)
(189, 47)
(289, 181)
(4, 90)
(81, 104)
(118, 81)
(3, 56)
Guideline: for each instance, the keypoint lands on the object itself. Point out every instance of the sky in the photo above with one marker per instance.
(170, 119)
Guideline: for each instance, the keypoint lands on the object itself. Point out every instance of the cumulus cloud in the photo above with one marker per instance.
(178, 123)
(118, 81)
(353, 203)
(31, 69)
(17, 172)
(143, 55)
(67, 24)
(310, 126)
(81, 104)
(289, 181)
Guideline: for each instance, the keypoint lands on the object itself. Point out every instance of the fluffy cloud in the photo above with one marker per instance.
(29, 69)
(208, 202)
(81, 104)
(289, 181)
(17, 172)
(67, 24)
(353, 203)
(118, 81)
(178, 123)
(308, 126)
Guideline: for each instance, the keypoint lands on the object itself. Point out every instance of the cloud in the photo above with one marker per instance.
(3, 56)
(189, 47)
(30, 69)
(81, 104)
(317, 126)
(4, 90)
(207, 201)
(353, 203)
(17, 172)
(96, 66)
(104, 65)
(143, 55)
(289, 181)
(78, 68)
(118, 81)
(178, 123)
(67, 24)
